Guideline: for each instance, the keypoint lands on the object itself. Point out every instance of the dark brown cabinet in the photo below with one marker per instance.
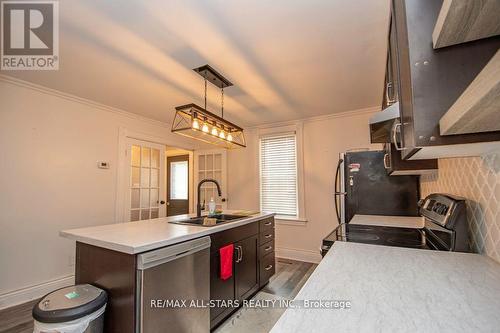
(396, 166)
(266, 251)
(222, 290)
(429, 81)
(246, 272)
(391, 83)
(247, 266)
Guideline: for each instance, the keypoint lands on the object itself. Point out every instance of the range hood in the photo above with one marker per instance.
(382, 123)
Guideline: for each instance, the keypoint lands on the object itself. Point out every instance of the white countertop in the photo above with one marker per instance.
(389, 221)
(141, 236)
(394, 289)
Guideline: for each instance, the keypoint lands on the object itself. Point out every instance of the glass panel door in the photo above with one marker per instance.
(146, 181)
(211, 164)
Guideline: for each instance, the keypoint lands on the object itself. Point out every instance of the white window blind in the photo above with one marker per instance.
(278, 174)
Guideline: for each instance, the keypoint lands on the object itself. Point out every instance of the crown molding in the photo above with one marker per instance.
(103, 107)
(80, 100)
(325, 117)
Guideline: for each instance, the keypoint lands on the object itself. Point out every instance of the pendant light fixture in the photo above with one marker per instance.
(198, 123)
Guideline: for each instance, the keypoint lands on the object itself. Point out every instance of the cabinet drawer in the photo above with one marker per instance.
(266, 236)
(267, 268)
(266, 224)
(233, 235)
(266, 249)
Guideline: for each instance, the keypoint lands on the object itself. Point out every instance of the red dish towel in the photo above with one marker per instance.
(226, 261)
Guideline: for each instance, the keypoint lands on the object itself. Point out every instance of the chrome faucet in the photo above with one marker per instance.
(198, 206)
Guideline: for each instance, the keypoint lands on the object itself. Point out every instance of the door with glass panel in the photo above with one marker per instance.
(211, 164)
(145, 197)
(177, 185)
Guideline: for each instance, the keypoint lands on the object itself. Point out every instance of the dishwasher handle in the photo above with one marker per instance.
(173, 252)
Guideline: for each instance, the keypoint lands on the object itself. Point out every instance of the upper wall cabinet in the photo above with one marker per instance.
(430, 81)
(461, 21)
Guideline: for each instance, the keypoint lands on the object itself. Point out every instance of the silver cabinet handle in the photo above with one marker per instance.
(268, 223)
(241, 253)
(395, 134)
(268, 236)
(238, 255)
(389, 100)
(268, 267)
(386, 163)
(268, 248)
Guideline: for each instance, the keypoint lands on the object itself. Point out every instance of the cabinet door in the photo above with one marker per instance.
(393, 65)
(247, 281)
(219, 289)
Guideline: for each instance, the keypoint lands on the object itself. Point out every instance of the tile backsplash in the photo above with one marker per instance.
(478, 180)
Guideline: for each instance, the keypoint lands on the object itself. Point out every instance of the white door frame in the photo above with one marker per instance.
(224, 186)
(122, 183)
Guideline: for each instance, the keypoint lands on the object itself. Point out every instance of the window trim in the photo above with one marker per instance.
(296, 128)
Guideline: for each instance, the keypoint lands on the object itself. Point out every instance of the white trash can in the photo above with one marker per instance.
(75, 309)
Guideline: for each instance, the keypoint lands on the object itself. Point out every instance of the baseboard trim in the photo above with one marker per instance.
(24, 295)
(299, 255)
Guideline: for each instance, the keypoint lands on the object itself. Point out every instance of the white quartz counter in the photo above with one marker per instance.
(141, 236)
(395, 289)
(389, 221)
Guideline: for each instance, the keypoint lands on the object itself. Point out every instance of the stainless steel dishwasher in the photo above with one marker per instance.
(178, 272)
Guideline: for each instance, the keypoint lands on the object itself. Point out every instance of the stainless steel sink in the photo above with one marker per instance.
(202, 222)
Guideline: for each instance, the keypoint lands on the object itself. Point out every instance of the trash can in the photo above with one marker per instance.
(74, 309)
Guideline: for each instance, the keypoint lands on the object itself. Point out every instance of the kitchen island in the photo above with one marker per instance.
(135, 263)
(393, 289)
(147, 235)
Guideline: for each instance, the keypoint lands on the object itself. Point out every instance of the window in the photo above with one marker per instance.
(179, 180)
(278, 174)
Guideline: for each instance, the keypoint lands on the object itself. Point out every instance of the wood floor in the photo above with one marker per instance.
(289, 278)
(285, 284)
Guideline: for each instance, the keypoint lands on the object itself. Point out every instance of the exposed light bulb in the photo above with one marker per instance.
(205, 128)
(222, 135)
(214, 131)
(229, 137)
(196, 124)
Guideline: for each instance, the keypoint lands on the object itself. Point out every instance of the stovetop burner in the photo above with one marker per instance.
(406, 242)
(361, 237)
(398, 231)
(379, 235)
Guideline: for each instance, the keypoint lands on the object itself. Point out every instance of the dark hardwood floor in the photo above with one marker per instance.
(289, 278)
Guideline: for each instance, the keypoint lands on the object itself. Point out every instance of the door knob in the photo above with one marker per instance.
(162, 202)
(223, 199)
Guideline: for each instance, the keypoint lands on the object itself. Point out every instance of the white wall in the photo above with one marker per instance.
(324, 138)
(49, 145)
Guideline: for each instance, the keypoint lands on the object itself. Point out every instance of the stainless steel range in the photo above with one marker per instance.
(445, 228)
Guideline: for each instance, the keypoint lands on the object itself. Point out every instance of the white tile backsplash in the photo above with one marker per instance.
(478, 180)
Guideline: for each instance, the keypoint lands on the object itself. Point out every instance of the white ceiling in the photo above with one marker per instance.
(288, 59)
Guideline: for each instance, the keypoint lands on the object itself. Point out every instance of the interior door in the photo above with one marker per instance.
(177, 185)
(211, 164)
(145, 193)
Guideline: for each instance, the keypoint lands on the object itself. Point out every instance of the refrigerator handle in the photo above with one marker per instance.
(337, 193)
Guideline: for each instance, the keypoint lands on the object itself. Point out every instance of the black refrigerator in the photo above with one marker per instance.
(362, 186)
